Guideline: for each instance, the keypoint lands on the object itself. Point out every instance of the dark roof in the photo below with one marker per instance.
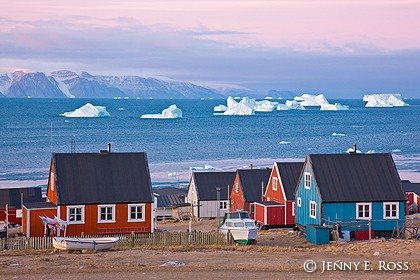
(251, 180)
(39, 205)
(356, 177)
(207, 182)
(169, 190)
(411, 187)
(13, 196)
(269, 203)
(289, 173)
(170, 200)
(102, 178)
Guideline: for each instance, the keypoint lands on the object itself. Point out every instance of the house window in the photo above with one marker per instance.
(223, 205)
(391, 210)
(252, 208)
(237, 187)
(293, 209)
(274, 184)
(299, 202)
(136, 212)
(363, 211)
(76, 214)
(106, 213)
(307, 180)
(312, 209)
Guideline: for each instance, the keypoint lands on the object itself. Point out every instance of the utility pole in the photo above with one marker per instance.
(218, 206)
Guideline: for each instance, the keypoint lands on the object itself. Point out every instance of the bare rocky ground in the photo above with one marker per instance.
(279, 254)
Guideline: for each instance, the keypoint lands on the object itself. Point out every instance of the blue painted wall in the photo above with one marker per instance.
(302, 213)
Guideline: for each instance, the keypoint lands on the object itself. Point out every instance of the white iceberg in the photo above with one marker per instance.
(282, 107)
(338, 134)
(284, 142)
(334, 107)
(268, 97)
(172, 112)
(241, 109)
(311, 100)
(351, 150)
(220, 108)
(87, 111)
(384, 100)
(294, 105)
(265, 106)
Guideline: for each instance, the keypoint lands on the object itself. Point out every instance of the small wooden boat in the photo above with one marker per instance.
(100, 243)
(241, 226)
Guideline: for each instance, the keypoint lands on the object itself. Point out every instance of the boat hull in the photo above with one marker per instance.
(63, 243)
(241, 235)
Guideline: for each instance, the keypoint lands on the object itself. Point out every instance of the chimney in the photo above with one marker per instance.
(109, 148)
(251, 166)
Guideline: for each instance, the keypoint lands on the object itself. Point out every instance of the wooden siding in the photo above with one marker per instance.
(289, 218)
(121, 224)
(272, 215)
(192, 197)
(274, 195)
(302, 213)
(237, 198)
(208, 209)
(413, 198)
(259, 215)
(12, 216)
(32, 225)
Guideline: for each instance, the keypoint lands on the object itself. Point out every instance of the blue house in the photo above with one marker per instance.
(352, 189)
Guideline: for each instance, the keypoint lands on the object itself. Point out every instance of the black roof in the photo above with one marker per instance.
(12, 196)
(168, 197)
(411, 187)
(356, 177)
(87, 178)
(251, 180)
(39, 205)
(289, 173)
(269, 203)
(207, 182)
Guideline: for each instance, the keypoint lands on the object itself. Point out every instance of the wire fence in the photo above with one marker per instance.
(128, 240)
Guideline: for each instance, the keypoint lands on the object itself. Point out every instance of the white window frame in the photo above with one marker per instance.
(310, 209)
(364, 210)
(307, 182)
(237, 187)
(293, 209)
(82, 214)
(99, 213)
(143, 212)
(274, 183)
(223, 205)
(396, 204)
(299, 201)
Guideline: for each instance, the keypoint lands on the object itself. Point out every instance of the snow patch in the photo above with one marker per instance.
(384, 100)
(172, 112)
(87, 111)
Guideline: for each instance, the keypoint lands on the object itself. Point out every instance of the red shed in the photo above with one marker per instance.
(412, 192)
(99, 193)
(279, 192)
(248, 187)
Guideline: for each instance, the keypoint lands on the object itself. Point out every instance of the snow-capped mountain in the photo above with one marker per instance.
(64, 83)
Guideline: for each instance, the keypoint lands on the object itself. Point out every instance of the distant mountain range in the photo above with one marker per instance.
(68, 84)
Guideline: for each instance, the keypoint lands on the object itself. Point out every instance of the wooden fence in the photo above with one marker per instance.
(128, 240)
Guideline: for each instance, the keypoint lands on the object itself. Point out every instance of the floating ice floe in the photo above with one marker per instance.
(172, 112)
(311, 100)
(284, 142)
(206, 167)
(384, 100)
(370, 152)
(246, 106)
(268, 98)
(338, 134)
(294, 105)
(265, 106)
(121, 109)
(334, 107)
(282, 107)
(220, 108)
(87, 111)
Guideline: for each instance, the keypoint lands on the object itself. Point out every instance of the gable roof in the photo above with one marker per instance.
(356, 177)
(251, 180)
(12, 196)
(207, 182)
(289, 173)
(167, 197)
(411, 187)
(88, 178)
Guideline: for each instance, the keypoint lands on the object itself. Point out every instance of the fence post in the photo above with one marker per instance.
(132, 239)
(370, 229)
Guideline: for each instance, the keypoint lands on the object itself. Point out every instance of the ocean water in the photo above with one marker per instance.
(30, 129)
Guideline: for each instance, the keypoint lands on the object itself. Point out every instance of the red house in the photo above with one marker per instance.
(278, 207)
(102, 193)
(248, 187)
(14, 197)
(412, 191)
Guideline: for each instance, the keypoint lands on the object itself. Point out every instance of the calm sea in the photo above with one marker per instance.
(32, 128)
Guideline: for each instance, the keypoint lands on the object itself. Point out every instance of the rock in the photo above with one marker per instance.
(376, 254)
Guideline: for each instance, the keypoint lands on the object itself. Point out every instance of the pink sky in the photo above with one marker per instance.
(298, 24)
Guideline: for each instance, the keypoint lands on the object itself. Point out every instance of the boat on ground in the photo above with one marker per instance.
(100, 243)
(240, 226)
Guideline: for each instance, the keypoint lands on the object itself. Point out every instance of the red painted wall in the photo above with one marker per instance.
(237, 198)
(274, 195)
(36, 224)
(275, 215)
(412, 197)
(290, 219)
(12, 216)
(259, 213)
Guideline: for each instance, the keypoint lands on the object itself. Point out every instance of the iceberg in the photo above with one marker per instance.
(311, 100)
(265, 106)
(338, 134)
(172, 112)
(334, 107)
(282, 107)
(384, 100)
(87, 111)
(241, 109)
(220, 108)
(294, 105)
(284, 142)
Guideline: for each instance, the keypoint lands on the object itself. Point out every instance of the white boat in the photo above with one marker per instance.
(240, 225)
(101, 243)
